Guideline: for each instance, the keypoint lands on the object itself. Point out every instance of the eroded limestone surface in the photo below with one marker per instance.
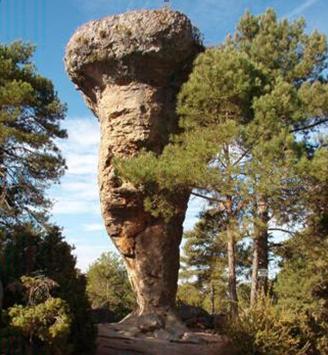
(110, 342)
(129, 68)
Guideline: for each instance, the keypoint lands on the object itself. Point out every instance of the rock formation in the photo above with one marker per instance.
(129, 68)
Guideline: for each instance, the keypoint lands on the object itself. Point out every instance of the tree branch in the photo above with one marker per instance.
(242, 156)
(206, 197)
(309, 126)
(281, 230)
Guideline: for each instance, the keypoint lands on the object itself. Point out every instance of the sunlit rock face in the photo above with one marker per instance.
(129, 68)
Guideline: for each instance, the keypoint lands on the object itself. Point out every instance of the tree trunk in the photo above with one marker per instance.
(260, 252)
(1, 296)
(2, 201)
(255, 268)
(212, 299)
(232, 281)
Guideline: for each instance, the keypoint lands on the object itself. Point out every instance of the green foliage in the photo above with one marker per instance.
(221, 87)
(30, 114)
(282, 48)
(42, 319)
(264, 329)
(204, 263)
(108, 285)
(48, 321)
(302, 288)
(37, 288)
(302, 285)
(239, 112)
(26, 250)
(190, 294)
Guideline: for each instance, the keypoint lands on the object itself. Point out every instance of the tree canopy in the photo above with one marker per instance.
(248, 116)
(108, 285)
(30, 252)
(30, 116)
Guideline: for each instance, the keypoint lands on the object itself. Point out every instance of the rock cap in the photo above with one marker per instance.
(131, 46)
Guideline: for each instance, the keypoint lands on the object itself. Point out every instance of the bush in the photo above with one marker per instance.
(43, 321)
(265, 329)
(48, 321)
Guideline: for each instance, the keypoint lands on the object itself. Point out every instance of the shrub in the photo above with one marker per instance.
(48, 321)
(43, 321)
(265, 329)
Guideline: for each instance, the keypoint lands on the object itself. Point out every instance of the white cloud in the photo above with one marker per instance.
(301, 8)
(81, 189)
(195, 206)
(75, 206)
(83, 132)
(94, 227)
(81, 148)
(78, 192)
(81, 164)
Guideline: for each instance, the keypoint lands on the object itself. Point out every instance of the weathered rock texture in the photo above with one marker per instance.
(110, 342)
(129, 69)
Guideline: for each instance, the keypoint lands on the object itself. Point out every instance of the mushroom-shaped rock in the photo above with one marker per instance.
(129, 68)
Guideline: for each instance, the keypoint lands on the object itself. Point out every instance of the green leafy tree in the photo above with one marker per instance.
(30, 114)
(302, 283)
(108, 285)
(244, 116)
(295, 62)
(204, 263)
(27, 250)
(190, 294)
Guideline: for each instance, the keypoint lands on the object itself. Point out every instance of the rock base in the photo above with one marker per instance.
(162, 324)
(113, 340)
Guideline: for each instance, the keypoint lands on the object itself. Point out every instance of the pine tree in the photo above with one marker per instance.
(245, 115)
(204, 262)
(27, 250)
(284, 52)
(30, 114)
(302, 283)
(108, 285)
(208, 155)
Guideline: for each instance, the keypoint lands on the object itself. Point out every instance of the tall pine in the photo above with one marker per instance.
(245, 116)
(30, 116)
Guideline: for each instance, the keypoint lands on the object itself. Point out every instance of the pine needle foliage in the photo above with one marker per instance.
(239, 114)
(30, 116)
(247, 117)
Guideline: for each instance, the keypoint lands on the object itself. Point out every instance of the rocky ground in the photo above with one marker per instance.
(111, 342)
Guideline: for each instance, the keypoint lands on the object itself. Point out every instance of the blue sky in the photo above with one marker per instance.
(49, 24)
